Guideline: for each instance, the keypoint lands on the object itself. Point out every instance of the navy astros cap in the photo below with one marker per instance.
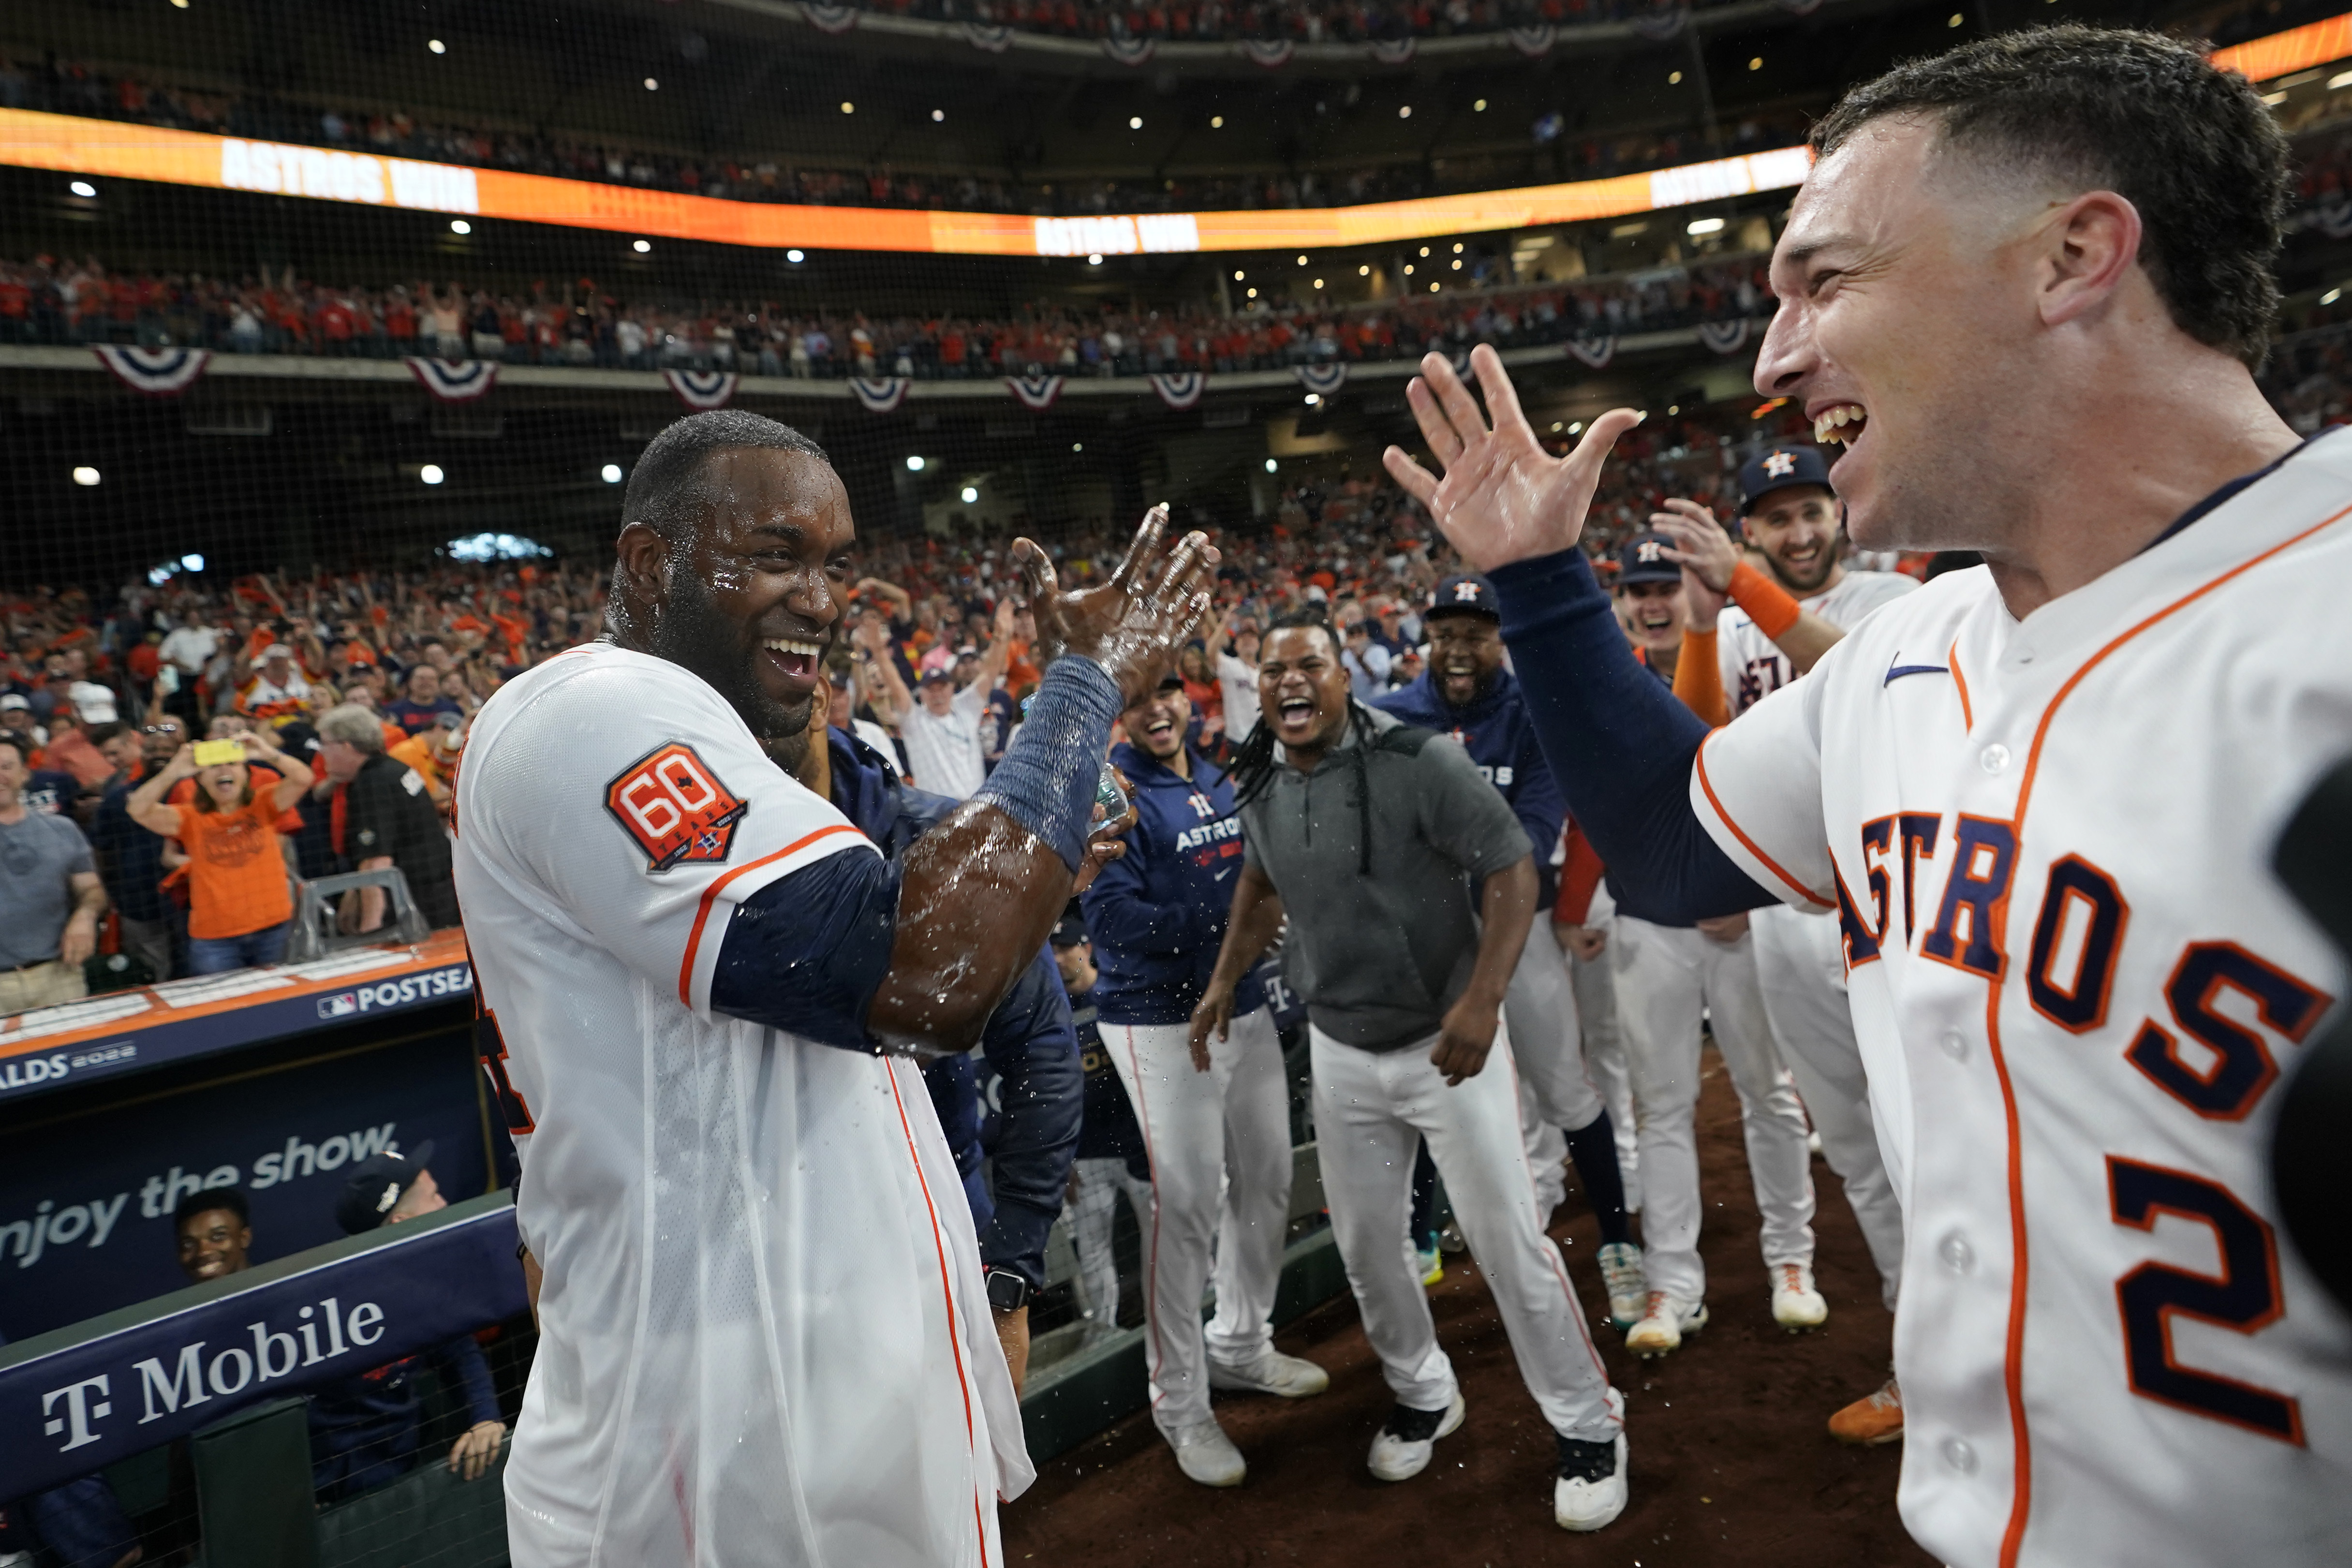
(937, 672)
(1465, 594)
(1777, 469)
(1643, 559)
(1069, 931)
(373, 1186)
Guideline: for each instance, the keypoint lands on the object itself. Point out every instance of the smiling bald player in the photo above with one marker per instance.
(2026, 279)
(765, 1337)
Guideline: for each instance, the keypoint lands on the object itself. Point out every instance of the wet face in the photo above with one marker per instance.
(1652, 615)
(1796, 530)
(1302, 687)
(214, 1243)
(1464, 654)
(748, 599)
(1156, 725)
(1907, 298)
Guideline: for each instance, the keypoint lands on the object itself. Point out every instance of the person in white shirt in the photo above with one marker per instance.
(945, 750)
(1236, 667)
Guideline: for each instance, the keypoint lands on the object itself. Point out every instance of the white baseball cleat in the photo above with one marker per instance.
(1591, 1488)
(1408, 1436)
(1664, 1320)
(1285, 1376)
(1796, 1305)
(1206, 1454)
(1628, 1285)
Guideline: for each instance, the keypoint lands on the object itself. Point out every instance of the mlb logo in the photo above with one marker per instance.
(338, 1007)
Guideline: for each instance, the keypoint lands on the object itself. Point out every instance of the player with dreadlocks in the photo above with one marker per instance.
(1408, 887)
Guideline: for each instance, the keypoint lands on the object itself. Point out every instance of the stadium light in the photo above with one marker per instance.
(179, 4)
(436, 46)
(1432, 287)
(1216, 122)
(1479, 107)
(1312, 399)
(459, 226)
(1078, 445)
(643, 247)
(1424, 250)
(1364, 272)
(1095, 260)
(914, 465)
(1954, 21)
(1319, 282)
(970, 494)
(193, 562)
(1240, 276)
(847, 106)
(1699, 226)
(1457, 264)
(1302, 261)
(1271, 464)
(1577, 428)
(1404, 111)
(938, 116)
(2339, 80)
(83, 188)
(430, 473)
(611, 473)
(1135, 122)
(1252, 293)
(1756, 64)
(652, 85)
(795, 256)
(1673, 79)
(85, 477)
(1457, 248)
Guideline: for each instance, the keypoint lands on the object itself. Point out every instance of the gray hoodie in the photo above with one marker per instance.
(1380, 957)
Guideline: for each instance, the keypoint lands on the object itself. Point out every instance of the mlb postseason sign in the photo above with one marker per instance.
(125, 1031)
(89, 1393)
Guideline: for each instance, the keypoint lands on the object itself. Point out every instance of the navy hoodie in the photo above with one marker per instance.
(1028, 1040)
(1157, 915)
(1494, 729)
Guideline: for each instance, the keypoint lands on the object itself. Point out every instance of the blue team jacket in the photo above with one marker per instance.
(1028, 1040)
(1157, 915)
(1495, 731)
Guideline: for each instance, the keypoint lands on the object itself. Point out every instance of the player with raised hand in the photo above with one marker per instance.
(2023, 285)
(765, 1336)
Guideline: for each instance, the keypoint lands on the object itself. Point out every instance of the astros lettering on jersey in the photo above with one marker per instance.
(2076, 987)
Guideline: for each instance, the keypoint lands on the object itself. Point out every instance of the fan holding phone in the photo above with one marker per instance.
(240, 904)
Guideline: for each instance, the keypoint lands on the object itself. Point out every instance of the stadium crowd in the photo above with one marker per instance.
(65, 86)
(53, 300)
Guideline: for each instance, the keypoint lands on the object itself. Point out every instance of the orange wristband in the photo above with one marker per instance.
(1767, 603)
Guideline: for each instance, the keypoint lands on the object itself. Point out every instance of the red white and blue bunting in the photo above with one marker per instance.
(1130, 51)
(1323, 380)
(1037, 393)
(1179, 389)
(1665, 19)
(988, 38)
(879, 395)
(1537, 41)
(1271, 53)
(702, 389)
(1724, 337)
(158, 372)
(1393, 52)
(461, 382)
(1594, 353)
(834, 19)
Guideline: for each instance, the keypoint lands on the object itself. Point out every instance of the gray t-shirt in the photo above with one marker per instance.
(37, 856)
(1379, 958)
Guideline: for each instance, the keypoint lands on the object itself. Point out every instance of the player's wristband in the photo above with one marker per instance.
(1047, 781)
(1767, 603)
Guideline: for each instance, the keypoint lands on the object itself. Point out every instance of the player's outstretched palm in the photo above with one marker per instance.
(1132, 625)
(1504, 498)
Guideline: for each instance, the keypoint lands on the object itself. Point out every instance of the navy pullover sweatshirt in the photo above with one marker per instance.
(1028, 1040)
(1501, 739)
(1158, 913)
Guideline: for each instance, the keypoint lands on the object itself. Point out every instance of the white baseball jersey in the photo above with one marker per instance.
(2076, 986)
(764, 1336)
(1753, 665)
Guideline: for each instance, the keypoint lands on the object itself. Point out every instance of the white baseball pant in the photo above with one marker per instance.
(1555, 1093)
(1370, 1108)
(1666, 975)
(1090, 1215)
(1220, 1148)
(1595, 985)
(1800, 967)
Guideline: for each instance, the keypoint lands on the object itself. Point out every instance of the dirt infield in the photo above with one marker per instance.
(1730, 1464)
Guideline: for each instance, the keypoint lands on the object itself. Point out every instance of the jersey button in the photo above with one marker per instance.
(1955, 1045)
(1994, 758)
(1959, 1455)
(1958, 1255)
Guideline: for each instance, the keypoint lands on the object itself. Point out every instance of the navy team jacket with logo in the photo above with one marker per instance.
(1496, 733)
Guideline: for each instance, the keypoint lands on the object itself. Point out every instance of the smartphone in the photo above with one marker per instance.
(214, 753)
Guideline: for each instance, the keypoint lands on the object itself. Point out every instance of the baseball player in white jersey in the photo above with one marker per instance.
(1783, 618)
(764, 1336)
(2023, 285)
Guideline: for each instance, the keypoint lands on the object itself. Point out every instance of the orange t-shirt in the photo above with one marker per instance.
(237, 872)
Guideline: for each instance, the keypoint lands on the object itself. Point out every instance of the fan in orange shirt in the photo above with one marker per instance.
(240, 908)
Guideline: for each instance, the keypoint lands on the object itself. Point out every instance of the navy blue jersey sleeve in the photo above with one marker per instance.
(1540, 810)
(1620, 743)
(1034, 1048)
(806, 953)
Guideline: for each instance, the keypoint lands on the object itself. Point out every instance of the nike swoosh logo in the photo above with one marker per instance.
(1897, 671)
(1223, 875)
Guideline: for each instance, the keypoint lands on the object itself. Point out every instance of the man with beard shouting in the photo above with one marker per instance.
(765, 1338)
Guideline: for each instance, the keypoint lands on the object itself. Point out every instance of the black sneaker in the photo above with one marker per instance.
(1406, 1438)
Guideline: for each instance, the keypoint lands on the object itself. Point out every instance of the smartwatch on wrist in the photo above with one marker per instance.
(1007, 1292)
